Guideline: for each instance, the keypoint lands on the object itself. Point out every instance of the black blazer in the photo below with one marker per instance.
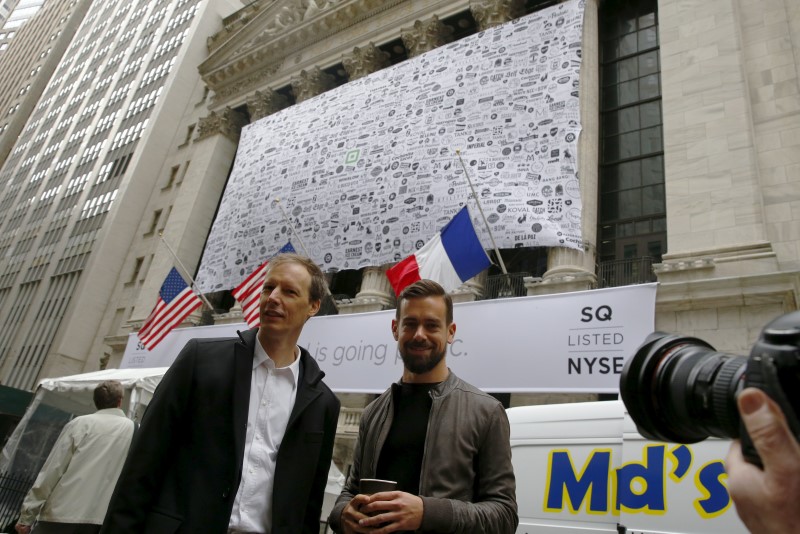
(185, 463)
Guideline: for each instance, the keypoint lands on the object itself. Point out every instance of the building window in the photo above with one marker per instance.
(173, 175)
(189, 133)
(204, 97)
(137, 268)
(154, 222)
(632, 206)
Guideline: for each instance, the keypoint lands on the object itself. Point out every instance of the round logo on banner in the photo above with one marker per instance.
(573, 215)
(573, 188)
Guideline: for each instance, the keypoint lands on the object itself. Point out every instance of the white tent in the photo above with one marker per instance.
(57, 400)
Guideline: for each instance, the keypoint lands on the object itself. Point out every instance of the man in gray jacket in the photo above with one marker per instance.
(443, 441)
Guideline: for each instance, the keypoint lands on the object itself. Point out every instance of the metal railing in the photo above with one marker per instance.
(13, 488)
(627, 272)
(501, 286)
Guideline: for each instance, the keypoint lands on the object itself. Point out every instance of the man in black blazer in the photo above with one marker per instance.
(185, 466)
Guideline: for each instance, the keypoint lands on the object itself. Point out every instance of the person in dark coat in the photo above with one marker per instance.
(239, 434)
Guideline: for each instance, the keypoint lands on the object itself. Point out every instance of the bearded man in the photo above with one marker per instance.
(443, 441)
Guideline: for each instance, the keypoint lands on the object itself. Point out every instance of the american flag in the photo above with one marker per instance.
(248, 293)
(176, 300)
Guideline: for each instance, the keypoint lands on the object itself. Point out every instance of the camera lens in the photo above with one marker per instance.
(680, 389)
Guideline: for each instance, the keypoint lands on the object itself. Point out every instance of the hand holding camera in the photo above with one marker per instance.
(766, 500)
(679, 389)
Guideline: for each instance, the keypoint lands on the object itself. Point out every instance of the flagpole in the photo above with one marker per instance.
(291, 227)
(478, 202)
(185, 270)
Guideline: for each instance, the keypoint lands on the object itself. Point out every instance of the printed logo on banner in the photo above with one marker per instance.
(352, 156)
(375, 155)
(595, 347)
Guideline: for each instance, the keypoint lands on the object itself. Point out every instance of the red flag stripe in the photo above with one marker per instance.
(181, 306)
(248, 293)
(255, 280)
(168, 320)
(166, 316)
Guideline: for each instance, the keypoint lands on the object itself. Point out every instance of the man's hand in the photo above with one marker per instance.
(392, 511)
(766, 501)
(22, 529)
(353, 513)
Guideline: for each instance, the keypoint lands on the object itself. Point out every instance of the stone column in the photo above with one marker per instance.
(234, 315)
(425, 36)
(365, 60)
(212, 153)
(570, 269)
(489, 13)
(376, 293)
(262, 104)
(215, 146)
(471, 290)
(227, 122)
(222, 128)
(310, 83)
(721, 187)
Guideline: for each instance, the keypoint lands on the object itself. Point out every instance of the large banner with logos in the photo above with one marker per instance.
(573, 342)
(368, 172)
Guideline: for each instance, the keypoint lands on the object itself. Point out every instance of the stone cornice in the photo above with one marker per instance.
(781, 288)
(233, 23)
(252, 52)
(276, 32)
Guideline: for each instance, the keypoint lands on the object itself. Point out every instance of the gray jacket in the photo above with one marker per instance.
(467, 482)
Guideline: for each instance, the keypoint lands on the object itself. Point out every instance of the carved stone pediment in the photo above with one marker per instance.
(256, 40)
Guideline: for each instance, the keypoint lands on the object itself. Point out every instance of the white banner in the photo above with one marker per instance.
(368, 172)
(572, 342)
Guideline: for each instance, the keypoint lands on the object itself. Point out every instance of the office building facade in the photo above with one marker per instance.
(76, 182)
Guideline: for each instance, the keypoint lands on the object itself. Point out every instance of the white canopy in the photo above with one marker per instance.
(57, 400)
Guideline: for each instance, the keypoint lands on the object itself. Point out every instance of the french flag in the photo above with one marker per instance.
(451, 258)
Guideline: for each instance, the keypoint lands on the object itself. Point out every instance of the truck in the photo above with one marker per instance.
(582, 468)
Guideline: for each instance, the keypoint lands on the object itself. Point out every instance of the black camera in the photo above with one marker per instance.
(680, 389)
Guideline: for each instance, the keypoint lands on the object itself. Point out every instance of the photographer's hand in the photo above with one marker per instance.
(765, 500)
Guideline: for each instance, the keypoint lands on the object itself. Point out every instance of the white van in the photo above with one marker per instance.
(583, 468)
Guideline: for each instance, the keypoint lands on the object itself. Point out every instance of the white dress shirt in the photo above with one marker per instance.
(272, 394)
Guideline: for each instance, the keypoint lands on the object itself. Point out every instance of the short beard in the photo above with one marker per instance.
(419, 366)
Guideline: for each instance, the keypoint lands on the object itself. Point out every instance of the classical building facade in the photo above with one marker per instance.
(688, 166)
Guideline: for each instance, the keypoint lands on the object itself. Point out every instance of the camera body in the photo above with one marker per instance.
(680, 389)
